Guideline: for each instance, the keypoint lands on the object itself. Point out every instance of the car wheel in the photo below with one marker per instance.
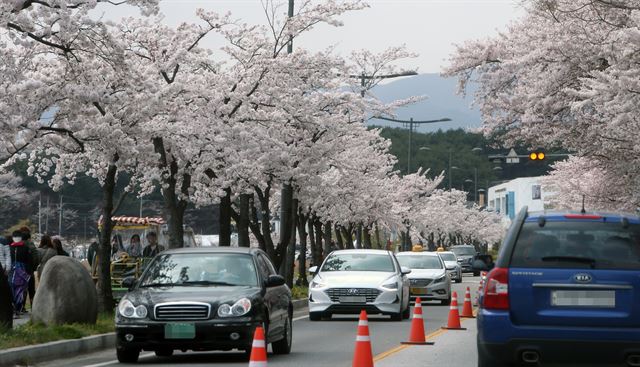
(164, 353)
(407, 313)
(446, 302)
(128, 355)
(315, 316)
(459, 280)
(283, 346)
(476, 273)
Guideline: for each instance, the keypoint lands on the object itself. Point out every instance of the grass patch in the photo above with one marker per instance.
(30, 334)
(299, 292)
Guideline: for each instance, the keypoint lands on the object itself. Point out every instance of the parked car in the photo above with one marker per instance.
(197, 299)
(429, 279)
(466, 255)
(352, 280)
(451, 262)
(564, 290)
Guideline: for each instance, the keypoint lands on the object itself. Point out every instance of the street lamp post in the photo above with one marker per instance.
(411, 122)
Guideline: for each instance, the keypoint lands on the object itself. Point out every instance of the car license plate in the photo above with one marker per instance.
(418, 291)
(584, 298)
(353, 299)
(179, 331)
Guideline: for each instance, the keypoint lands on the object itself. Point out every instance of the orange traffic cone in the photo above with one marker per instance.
(454, 316)
(258, 349)
(416, 337)
(467, 309)
(363, 356)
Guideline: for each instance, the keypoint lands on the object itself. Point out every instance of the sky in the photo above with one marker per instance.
(430, 28)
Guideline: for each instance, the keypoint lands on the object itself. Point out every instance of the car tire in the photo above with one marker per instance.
(315, 316)
(127, 355)
(476, 273)
(283, 346)
(407, 312)
(164, 353)
(459, 280)
(446, 302)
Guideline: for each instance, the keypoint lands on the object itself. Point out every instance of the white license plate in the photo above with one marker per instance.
(353, 299)
(584, 298)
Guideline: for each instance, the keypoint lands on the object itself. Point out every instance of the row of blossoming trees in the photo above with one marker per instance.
(247, 126)
(567, 75)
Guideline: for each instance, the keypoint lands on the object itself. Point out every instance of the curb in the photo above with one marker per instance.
(30, 354)
(54, 350)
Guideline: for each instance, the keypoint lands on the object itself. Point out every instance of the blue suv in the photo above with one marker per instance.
(565, 290)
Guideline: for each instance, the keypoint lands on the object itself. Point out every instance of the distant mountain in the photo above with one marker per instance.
(442, 102)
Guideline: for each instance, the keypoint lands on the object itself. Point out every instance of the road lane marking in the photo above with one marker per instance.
(116, 361)
(151, 354)
(397, 349)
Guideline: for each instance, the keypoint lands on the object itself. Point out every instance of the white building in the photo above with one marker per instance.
(509, 197)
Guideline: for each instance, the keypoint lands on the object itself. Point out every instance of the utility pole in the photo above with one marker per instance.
(411, 122)
(46, 216)
(39, 212)
(141, 207)
(60, 217)
(449, 171)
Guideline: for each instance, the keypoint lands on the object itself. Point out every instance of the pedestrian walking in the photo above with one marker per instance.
(5, 255)
(46, 251)
(33, 264)
(57, 245)
(21, 261)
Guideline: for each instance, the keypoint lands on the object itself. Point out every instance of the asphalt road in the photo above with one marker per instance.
(322, 343)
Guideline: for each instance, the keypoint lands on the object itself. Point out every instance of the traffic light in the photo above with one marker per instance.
(537, 156)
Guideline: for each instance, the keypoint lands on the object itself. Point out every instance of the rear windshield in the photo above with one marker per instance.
(448, 257)
(463, 251)
(419, 262)
(578, 245)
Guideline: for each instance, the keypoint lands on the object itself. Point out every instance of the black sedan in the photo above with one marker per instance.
(203, 299)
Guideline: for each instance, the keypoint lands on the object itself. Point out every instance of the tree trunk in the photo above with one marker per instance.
(318, 230)
(103, 286)
(287, 266)
(286, 222)
(243, 223)
(359, 236)
(312, 239)
(347, 233)
(225, 219)
(265, 225)
(174, 206)
(302, 259)
(366, 237)
(339, 237)
(254, 224)
(377, 234)
(327, 240)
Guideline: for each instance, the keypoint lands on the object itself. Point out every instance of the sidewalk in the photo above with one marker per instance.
(451, 349)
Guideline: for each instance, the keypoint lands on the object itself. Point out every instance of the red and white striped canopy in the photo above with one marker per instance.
(134, 220)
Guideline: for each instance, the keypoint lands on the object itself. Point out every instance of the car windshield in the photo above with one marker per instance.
(578, 245)
(448, 257)
(463, 251)
(358, 262)
(201, 269)
(419, 262)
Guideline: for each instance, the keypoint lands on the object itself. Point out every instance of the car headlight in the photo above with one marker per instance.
(392, 285)
(127, 309)
(440, 280)
(317, 284)
(240, 308)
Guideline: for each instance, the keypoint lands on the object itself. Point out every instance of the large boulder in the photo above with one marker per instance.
(6, 302)
(66, 294)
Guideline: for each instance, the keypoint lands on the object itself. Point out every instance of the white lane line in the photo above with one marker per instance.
(152, 354)
(116, 361)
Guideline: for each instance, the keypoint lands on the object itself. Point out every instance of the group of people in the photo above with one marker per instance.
(134, 247)
(21, 261)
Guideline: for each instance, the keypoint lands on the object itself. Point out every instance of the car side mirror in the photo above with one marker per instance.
(274, 281)
(404, 270)
(313, 269)
(129, 282)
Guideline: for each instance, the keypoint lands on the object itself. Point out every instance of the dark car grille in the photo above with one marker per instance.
(420, 282)
(182, 311)
(369, 293)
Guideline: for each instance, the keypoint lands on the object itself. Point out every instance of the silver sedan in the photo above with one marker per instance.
(451, 262)
(353, 280)
(429, 278)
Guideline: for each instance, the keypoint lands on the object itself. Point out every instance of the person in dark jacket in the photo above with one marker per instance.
(33, 265)
(46, 251)
(92, 251)
(19, 276)
(57, 245)
(152, 249)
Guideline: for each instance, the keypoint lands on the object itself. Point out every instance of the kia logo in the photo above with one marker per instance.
(352, 291)
(582, 278)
